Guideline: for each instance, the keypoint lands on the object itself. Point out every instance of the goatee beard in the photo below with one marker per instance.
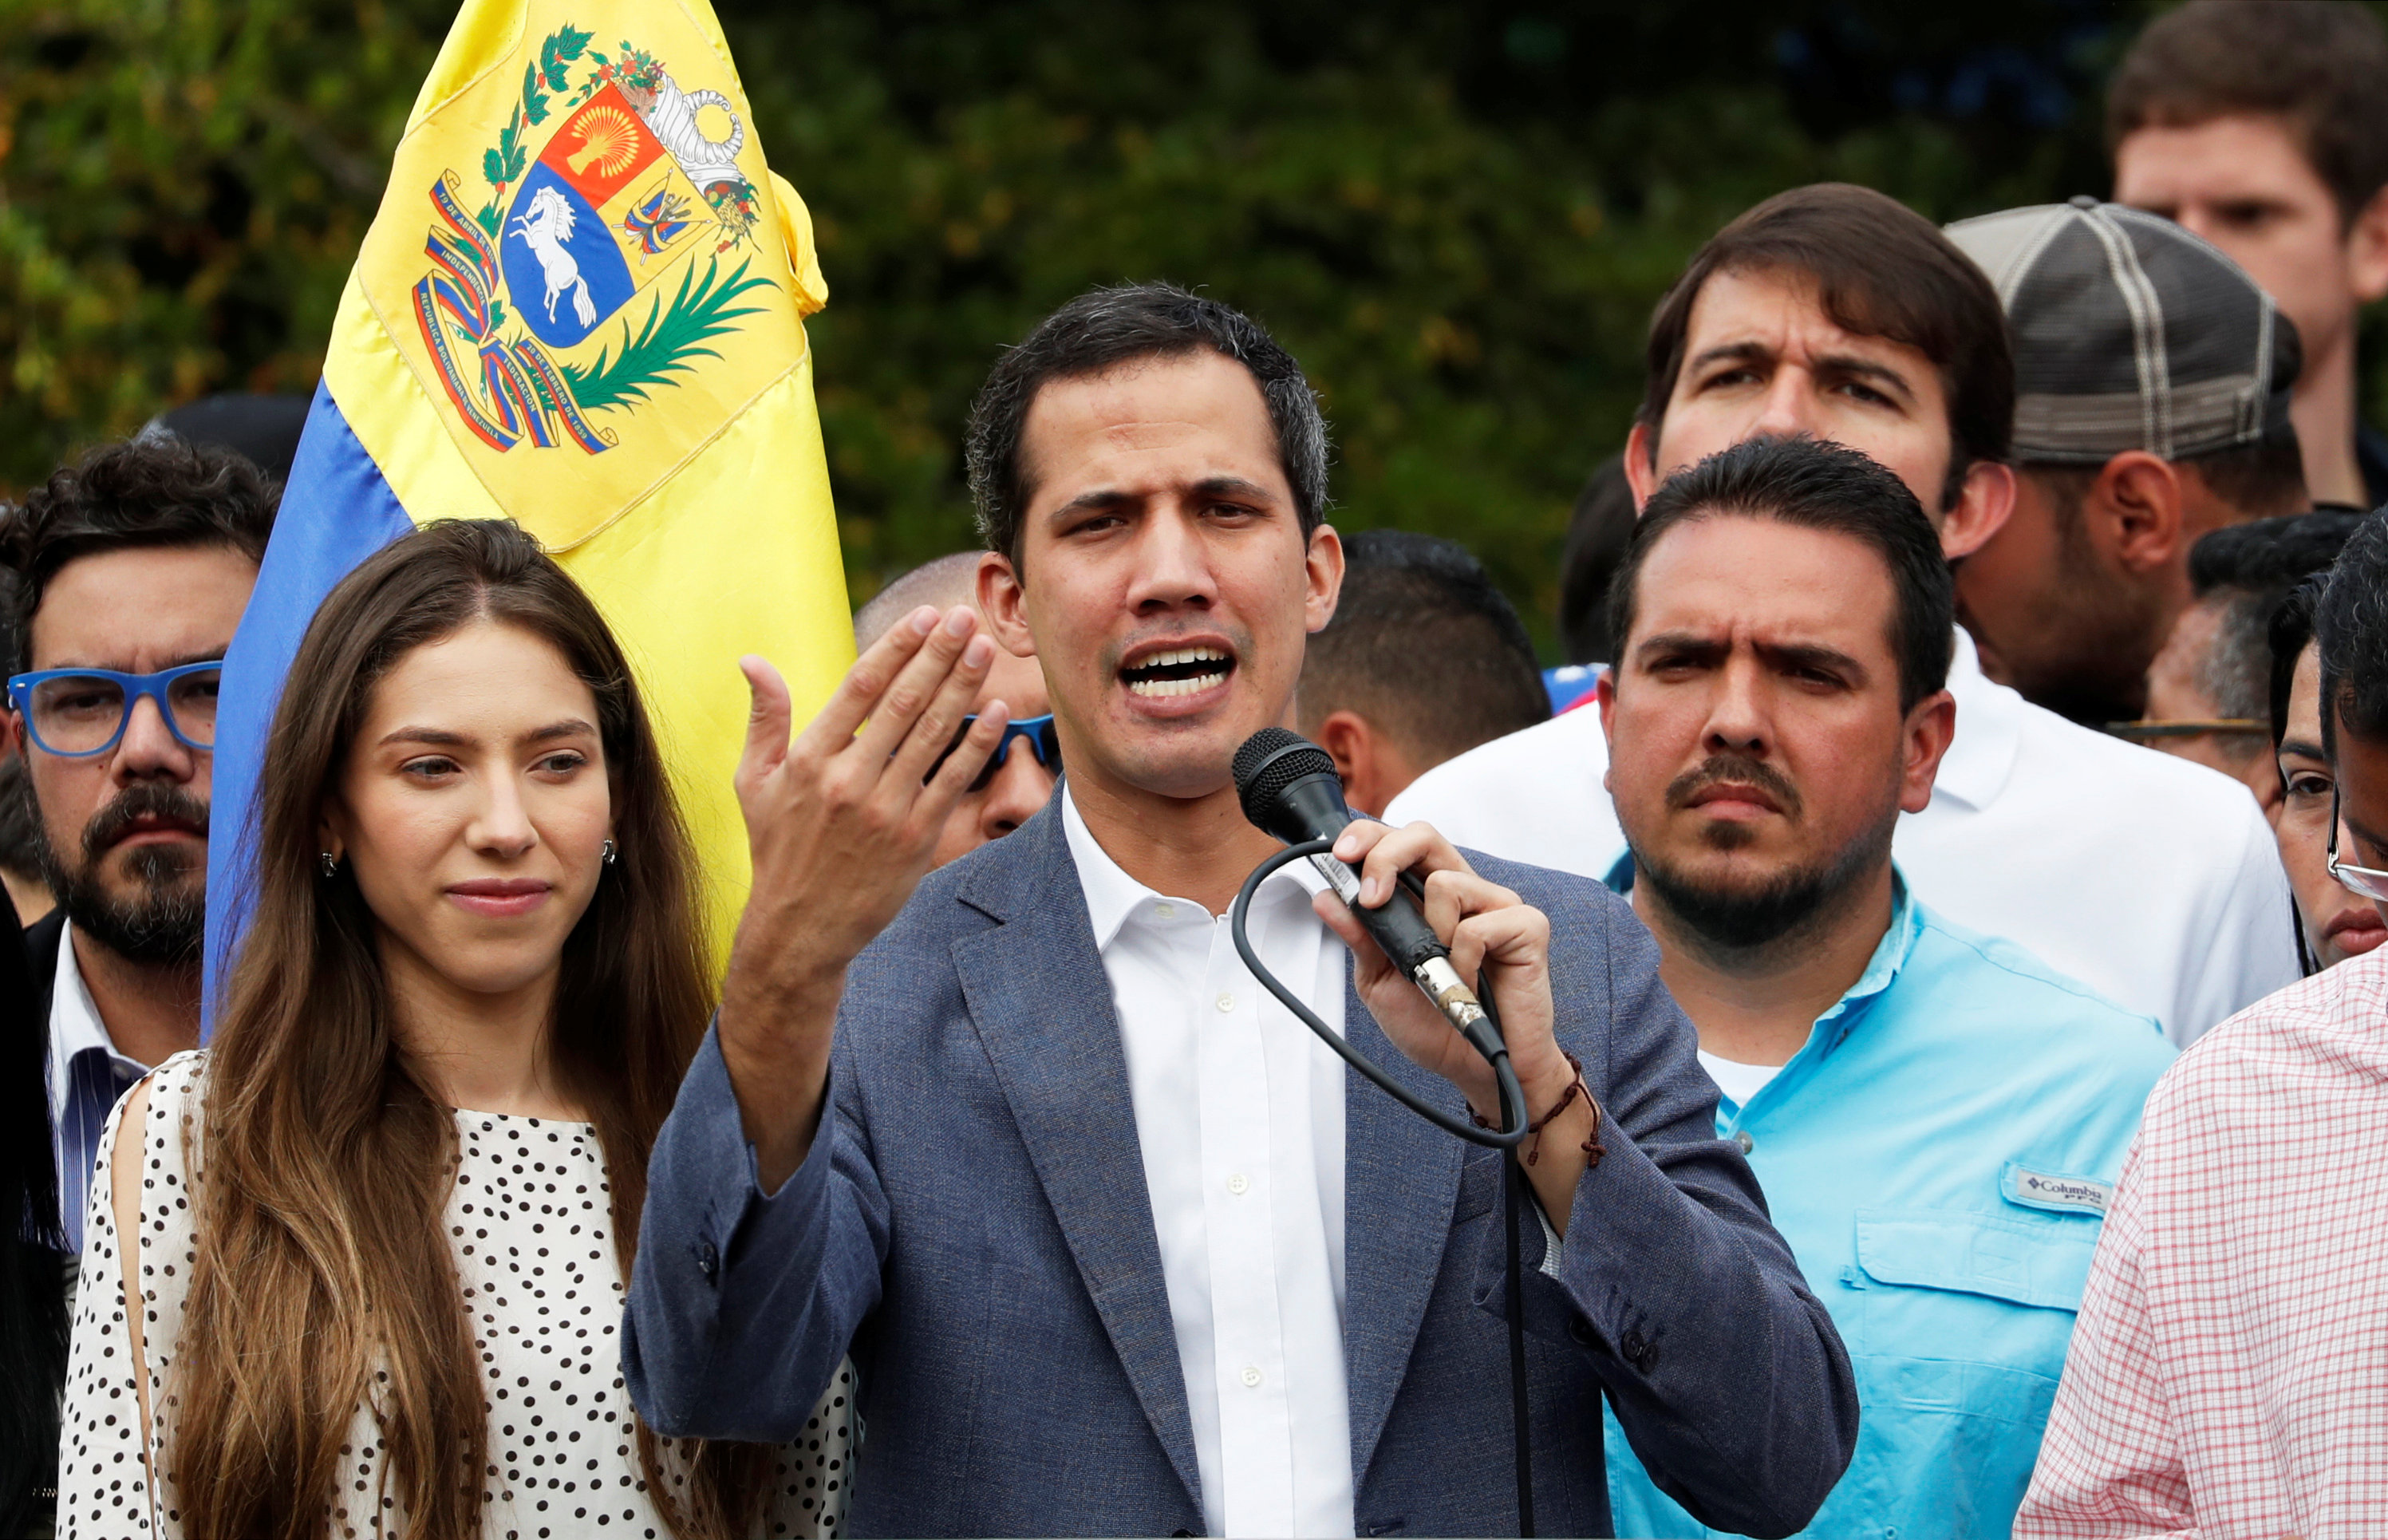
(162, 923)
(1738, 921)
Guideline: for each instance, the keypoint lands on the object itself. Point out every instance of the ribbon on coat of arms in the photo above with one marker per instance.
(609, 206)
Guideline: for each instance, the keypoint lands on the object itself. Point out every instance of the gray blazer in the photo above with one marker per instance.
(973, 1225)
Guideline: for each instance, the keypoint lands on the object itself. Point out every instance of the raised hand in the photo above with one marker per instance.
(841, 824)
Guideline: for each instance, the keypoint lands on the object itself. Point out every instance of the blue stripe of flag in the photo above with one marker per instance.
(336, 510)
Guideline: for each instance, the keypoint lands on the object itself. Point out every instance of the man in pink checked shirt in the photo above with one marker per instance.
(2228, 1376)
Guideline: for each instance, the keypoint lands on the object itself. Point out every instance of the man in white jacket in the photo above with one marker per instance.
(1836, 312)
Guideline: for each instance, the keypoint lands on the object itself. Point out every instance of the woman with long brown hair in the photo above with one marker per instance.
(384, 1221)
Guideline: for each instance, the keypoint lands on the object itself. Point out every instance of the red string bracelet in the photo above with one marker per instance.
(1592, 1147)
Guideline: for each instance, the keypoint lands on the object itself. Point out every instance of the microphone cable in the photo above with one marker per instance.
(1513, 1097)
(1506, 1139)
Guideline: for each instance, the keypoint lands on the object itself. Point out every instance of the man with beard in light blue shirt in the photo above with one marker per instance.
(1935, 1116)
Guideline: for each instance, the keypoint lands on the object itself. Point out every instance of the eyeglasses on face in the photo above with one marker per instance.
(1036, 731)
(76, 713)
(2364, 882)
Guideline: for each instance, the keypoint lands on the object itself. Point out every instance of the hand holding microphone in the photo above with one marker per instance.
(1421, 924)
(1494, 937)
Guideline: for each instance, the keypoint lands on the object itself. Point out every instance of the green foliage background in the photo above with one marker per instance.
(1457, 215)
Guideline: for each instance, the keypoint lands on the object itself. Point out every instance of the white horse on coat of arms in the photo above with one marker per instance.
(545, 229)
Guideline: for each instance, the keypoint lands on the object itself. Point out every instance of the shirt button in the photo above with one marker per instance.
(1252, 1377)
(1165, 911)
(1239, 1184)
(1227, 1002)
(1746, 1143)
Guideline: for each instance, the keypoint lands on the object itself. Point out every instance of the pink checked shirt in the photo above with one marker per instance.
(2228, 1376)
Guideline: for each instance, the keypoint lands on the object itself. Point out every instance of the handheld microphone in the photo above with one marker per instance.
(1288, 787)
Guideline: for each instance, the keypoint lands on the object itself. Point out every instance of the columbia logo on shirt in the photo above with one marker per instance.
(2064, 1194)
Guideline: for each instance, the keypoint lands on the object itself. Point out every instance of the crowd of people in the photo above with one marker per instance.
(1931, 930)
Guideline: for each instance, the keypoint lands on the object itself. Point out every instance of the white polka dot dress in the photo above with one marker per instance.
(531, 1229)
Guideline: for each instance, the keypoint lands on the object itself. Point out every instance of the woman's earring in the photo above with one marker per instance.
(330, 864)
(608, 853)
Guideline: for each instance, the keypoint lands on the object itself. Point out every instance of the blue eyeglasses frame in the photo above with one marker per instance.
(1043, 741)
(154, 686)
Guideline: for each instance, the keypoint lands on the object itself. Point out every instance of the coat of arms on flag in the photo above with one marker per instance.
(599, 260)
(580, 306)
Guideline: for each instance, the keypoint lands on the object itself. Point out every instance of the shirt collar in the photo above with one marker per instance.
(1113, 897)
(1890, 954)
(75, 1026)
(1990, 726)
(1111, 894)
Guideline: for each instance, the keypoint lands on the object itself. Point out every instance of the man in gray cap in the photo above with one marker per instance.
(2153, 380)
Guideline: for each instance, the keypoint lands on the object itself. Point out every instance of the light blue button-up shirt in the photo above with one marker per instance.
(1939, 1156)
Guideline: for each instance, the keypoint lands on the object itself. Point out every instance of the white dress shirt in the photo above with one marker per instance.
(1239, 1119)
(2155, 880)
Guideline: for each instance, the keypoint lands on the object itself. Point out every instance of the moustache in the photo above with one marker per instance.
(1736, 769)
(136, 803)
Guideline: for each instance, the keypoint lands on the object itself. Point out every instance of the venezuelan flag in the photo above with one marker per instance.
(581, 306)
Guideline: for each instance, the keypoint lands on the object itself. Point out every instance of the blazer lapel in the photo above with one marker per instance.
(1041, 1004)
(1401, 1186)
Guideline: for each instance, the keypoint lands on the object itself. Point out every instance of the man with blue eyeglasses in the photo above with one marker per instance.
(134, 568)
(1018, 777)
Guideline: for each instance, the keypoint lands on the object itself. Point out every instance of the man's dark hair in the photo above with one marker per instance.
(2246, 572)
(1880, 270)
(2268, 552)
(2316, 65)
(21, 825)
(1815, 486)
(1099, 331)
(1598, 532)
(2290, 632)
(1425, 647)
(154, 490)
(2351, 623)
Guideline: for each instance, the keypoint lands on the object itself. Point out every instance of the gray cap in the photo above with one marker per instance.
(2130, 333)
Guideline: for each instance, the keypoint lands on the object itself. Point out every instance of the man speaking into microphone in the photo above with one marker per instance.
(1117, 1245)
